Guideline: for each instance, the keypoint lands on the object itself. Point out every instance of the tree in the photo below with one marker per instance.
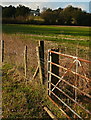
(65, 16)
(22, 11)
(8, 11)
(47, 16)
(44, 9)
(51, 16)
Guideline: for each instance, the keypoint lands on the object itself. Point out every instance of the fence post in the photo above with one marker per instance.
(41, 53)
(55, 69)
(39, 64)
(25, 61)
(52, 68)
(2, 51)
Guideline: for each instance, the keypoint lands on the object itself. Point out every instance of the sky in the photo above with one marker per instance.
(54, 4)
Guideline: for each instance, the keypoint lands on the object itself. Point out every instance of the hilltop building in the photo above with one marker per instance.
(35, 12)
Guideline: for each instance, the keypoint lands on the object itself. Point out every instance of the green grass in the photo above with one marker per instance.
(21, 100)
(63, 34)
(46, 30)
(61, 40)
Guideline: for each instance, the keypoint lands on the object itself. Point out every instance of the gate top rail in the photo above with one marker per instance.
(69, 56)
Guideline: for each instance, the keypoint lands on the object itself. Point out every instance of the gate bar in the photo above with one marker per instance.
(59, 108)
(71, 85)
(70, 56)
(66, 105)
(72, 99)
(70, 71)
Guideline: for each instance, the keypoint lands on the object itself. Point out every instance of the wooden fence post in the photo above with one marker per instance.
(2, 51)
(25, 61)
(41, 53)
(54, 69)
(40, 67)
(39, 64)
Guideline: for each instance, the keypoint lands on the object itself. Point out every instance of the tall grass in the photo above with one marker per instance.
(21, 100)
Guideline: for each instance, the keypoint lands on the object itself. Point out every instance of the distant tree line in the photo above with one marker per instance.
(67, 16)
(19, 14)
(12, 12)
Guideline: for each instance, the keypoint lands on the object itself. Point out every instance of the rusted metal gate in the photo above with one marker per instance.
(71, 92)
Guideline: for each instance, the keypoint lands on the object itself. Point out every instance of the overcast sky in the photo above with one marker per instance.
(84, 4)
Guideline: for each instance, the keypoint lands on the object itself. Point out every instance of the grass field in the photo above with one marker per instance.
(67, 34)
(27, 101)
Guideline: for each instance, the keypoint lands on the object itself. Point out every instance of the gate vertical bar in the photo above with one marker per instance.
(49, 69)
(76, 80)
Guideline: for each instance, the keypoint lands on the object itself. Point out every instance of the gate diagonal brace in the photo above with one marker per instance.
(76, 60)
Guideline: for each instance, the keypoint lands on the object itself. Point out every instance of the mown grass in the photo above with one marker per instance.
(46, 30)
(63, 34)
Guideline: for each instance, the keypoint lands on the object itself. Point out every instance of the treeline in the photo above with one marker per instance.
(13, 14)
(67, 16)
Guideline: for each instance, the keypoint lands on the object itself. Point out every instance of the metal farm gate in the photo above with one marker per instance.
(69, 85)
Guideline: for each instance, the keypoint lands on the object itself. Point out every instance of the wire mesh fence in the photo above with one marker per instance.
(14, 52)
